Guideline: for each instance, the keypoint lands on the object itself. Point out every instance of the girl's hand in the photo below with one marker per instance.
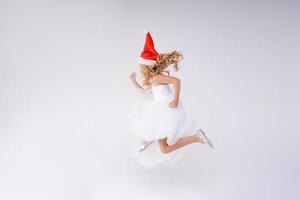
(132, 76)
(174, 103)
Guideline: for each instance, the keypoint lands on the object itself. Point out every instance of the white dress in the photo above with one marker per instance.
(154, 119)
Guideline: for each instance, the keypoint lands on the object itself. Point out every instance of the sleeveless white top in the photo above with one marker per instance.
(161, 91)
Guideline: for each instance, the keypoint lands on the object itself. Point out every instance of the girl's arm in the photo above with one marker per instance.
(134, 82)
(170, 80)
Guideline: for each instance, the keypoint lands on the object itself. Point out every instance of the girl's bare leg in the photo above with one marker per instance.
(165, 148)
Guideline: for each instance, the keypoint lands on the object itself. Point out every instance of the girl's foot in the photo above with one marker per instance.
(200, 138)
(204, 138)
(145, 145)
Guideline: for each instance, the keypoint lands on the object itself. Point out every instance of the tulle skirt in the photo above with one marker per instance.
(154, 119)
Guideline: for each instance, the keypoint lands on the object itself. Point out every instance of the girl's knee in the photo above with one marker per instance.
(163, 145)
(165, 148)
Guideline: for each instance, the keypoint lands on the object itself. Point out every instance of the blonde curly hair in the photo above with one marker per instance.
(162, 63)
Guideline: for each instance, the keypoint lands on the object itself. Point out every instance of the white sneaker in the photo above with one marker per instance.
(204, 138)
(145, 145)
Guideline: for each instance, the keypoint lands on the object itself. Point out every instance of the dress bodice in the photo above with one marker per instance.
(160, 91)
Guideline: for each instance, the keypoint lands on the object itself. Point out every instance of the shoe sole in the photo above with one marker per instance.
(207, 140)
(145, 146)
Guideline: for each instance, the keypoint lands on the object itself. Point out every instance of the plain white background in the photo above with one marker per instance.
(65, 96)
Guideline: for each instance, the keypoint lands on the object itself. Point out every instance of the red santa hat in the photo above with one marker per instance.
(149, 54)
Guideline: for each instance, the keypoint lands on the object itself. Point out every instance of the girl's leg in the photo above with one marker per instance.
(165, 148)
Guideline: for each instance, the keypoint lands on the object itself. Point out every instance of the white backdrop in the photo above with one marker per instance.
(64, 96)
